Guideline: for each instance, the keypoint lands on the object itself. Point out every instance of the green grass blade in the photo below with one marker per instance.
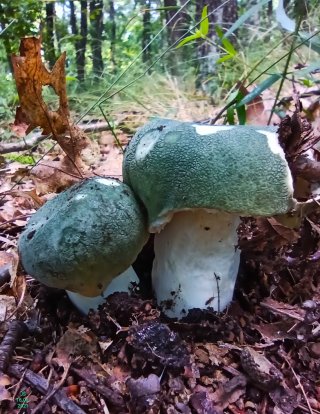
(230, 115)
(245, 16)
(196, 35)
(242, 114)
(225, 42)
(204, 25)
(259, 89)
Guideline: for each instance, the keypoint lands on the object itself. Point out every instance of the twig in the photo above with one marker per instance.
(285, 70)
(40, 384)
(218, 289)
(23, 216)
(17, 330)
(285, 312)
(301, 388)
(112, 397)
(55, 389)
(35, 139)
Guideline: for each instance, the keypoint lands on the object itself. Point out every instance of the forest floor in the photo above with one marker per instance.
(260, 356)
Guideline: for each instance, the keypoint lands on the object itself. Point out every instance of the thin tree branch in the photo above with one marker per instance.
(35, 139)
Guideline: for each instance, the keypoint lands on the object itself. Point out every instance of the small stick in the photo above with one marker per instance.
(40, 384)
(35, 139)
(17, 330)
(92, 382)
(302, 389)
(44, 401)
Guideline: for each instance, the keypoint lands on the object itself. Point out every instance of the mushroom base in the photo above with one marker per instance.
(196, 261)
(121, 283)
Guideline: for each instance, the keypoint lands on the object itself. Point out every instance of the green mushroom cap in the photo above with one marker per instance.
(173, 166)
(84, 237)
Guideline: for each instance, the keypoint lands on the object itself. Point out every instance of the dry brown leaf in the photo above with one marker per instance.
(256, 113)
(54, 176)
(75, 343)
(5, 382)
(31, 195)
(111, 164)
(7, 307)
(31, 76)
(229, 392)
(259, 369)
(292, 311)
(9, 262)
(275, 331)
(285, 232)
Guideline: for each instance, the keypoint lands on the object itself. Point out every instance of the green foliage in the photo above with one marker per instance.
(266, 84)
(200, 33)
(22, 158)
(23, 16)
(9, 96)
(228, 47)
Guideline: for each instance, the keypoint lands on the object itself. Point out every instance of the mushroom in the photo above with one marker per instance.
(195, 182)
(84, 238)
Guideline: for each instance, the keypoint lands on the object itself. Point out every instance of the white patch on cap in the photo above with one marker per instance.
(275, 148)
(210, 129)
(80, 196)
(145, 145)
(107, 181)
(273, 142)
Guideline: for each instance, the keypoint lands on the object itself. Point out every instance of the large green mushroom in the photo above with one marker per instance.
(84, 238)
(196, 181)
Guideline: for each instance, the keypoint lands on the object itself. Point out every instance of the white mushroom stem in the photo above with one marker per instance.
(196, 261)
(121, 283)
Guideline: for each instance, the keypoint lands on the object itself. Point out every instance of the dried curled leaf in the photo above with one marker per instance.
(31, 75)
(260, 370)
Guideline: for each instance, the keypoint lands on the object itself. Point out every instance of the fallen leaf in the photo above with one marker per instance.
(75, 343)
(275, 331)
(9, 263)
(7, 307)
(144, 394)
(256, 113)
(229, 392)
(286, 400)
(259, 369)
(4, 383)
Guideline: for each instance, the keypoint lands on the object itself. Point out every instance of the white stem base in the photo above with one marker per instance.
(196, 262)
(121, 283)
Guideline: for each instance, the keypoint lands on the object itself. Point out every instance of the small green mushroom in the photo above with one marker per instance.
(195, 182)
(84, 238)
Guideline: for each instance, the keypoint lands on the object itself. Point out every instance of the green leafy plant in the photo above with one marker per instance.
(200, 33)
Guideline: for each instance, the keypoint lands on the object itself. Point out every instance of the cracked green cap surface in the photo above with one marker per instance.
(173, 166)
(84, 237)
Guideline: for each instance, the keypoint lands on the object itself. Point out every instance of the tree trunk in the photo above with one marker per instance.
(177, 27)
(172, 21)
(83, 41)
(80, 44)
(96, 19)
(50, 53)
(146, 32)
(207, 51)
(112, 35)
